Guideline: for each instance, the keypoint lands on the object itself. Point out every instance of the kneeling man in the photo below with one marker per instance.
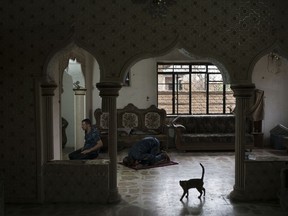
(92, 144)
(145, 152)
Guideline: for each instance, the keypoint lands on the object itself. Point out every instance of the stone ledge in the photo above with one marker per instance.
(77, 181)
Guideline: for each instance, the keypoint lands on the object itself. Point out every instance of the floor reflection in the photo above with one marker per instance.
(192, 208)
(156, 192)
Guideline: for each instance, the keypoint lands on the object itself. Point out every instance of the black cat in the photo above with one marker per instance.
(193, 183)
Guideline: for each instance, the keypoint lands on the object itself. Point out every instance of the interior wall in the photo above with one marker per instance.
(27, 45)
(275, 96)
(67, 108)
(89, 75)
(70, 76)
(57, 123)
(142, 91)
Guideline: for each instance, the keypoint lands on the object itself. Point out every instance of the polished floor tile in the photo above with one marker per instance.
(156, 192)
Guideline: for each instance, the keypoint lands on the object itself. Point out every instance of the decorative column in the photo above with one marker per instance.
(79, 115)
(47, 91)
(242, 93)
(109, 93)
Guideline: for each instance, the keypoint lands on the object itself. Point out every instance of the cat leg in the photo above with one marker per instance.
(204, 191)
(182, 195)
(187, 194)
(200, 191)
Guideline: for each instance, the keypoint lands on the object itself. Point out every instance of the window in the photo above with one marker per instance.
(193, 88)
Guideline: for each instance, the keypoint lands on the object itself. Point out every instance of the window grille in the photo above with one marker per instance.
(193, 88)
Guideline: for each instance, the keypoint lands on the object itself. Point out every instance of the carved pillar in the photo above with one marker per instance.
(109, 93)
(242, 94)
(47, 92)
(79, 115)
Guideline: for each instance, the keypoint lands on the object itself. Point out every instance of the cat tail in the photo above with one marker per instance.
(203, 171)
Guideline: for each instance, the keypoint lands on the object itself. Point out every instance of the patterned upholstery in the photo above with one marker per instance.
(104, 120)
(134, 124)
(130, 120)
(152, 120)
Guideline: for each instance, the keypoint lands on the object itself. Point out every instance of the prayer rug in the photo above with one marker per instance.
(162, 164)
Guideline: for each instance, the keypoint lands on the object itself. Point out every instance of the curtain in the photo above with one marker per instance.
(256, 111)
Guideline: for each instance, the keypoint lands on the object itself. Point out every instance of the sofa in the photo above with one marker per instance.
(133, 124)
(208, 132)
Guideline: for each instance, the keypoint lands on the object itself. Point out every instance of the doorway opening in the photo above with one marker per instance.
(72, 81)
(70, 77)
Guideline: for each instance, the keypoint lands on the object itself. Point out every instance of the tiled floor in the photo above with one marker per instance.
(156, 192)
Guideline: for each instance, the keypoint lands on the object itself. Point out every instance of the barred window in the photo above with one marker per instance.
(193, 88)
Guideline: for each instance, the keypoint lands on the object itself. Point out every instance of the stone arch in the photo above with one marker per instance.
(275, 48)
(60, 60)
(52, 76)
(223, 69)
(70, 47)
(176, 44)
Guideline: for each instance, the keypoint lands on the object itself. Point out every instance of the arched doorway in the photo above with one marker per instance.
(70, 76)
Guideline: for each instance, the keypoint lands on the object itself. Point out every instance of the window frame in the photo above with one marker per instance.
(175, 87)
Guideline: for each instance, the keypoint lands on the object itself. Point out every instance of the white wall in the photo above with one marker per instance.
(67, 107)
(275, 87)
(142, 91)
(70, 76)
